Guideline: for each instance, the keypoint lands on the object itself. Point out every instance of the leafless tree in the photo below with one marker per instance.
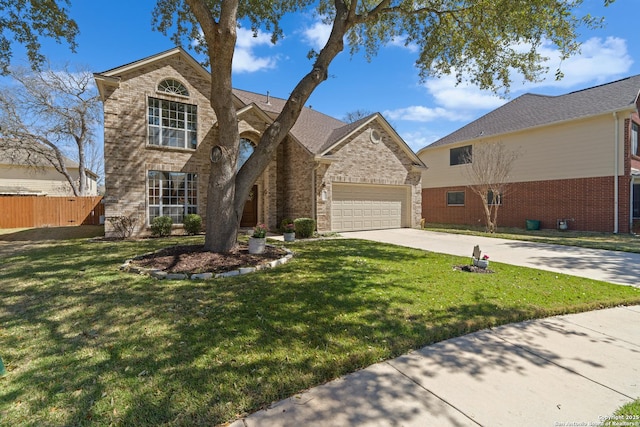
(354, 116)
(488, 169)
(49, 115)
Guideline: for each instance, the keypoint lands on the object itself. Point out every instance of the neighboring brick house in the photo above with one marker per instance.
(36, 176)
(579, 161)
(160, 127)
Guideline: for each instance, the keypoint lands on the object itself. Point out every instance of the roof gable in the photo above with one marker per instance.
(341, 134)
(531, 110)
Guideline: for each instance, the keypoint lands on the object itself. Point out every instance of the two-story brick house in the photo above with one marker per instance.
(578, 164)
(160, 128)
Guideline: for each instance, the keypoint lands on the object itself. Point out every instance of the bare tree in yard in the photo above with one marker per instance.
(488, 168)
(354, 116)
(49, 115)
(483, 41)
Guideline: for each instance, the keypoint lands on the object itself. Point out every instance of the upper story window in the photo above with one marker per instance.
(635, 149)
(172, 124)
(460, 155)
(173, 87)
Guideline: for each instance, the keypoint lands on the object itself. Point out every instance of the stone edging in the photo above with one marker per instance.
(160, 274)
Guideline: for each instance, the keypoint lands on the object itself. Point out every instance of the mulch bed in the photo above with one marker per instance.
(472, 269)
(195, 259)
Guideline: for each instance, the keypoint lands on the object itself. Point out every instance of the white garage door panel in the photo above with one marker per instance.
(360, 207)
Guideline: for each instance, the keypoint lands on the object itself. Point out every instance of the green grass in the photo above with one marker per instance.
(86, 344)
(609, 241)
(628, 415)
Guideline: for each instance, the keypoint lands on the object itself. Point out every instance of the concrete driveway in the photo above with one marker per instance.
(610, 266)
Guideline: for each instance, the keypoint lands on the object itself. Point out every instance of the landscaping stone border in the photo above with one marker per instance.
(163, 275)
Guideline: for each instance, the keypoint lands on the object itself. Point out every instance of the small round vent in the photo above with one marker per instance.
(375, 136)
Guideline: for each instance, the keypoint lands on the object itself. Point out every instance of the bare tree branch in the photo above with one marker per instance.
(48, 116)
(488, 169)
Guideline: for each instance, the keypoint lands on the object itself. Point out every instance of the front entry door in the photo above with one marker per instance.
(250, 213)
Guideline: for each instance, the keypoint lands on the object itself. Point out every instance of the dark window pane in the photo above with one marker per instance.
(455, 198)
(460, 155)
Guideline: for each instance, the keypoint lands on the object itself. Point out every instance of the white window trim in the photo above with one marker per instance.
(161, 206)
(169, 147)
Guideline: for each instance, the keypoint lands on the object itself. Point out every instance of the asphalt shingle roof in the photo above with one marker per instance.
(313, 129)
(531, 110)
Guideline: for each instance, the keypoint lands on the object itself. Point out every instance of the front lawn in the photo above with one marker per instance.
(84, 343)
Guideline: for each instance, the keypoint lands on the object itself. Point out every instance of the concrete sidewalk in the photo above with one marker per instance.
(609, 266)
(566, 370)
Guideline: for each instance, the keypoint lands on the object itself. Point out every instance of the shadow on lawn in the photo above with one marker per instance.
(87, 343)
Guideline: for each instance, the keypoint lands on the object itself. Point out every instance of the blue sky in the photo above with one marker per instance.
(113, 33)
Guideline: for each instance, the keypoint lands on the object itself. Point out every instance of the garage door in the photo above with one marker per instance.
(364, 207)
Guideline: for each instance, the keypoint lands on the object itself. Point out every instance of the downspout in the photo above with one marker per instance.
(616, 190)
(633, 181)
(314, 194)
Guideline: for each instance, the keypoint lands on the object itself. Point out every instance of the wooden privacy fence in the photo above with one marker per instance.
(39, 211)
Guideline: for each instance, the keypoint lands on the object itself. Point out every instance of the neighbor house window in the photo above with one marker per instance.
(455, 198)
(172, 124)
(493, 199)
(172, 194)
(635, 150)
(460, 155)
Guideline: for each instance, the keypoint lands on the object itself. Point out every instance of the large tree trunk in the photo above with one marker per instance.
(222, 222)
(228, 190)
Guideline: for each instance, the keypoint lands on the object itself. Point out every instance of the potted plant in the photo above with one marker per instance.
(258, 239)
(288, 230)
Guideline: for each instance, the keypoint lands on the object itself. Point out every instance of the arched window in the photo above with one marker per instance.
(173, 87)
(246, 149)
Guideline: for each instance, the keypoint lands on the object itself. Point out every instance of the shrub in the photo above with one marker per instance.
(192, 223)
(304, 227)
(123, 226)
(161, 226)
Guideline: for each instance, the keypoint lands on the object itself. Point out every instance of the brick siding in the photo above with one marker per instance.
(286, 187)
(587, 201)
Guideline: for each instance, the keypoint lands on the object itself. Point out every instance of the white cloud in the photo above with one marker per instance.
(417, 113)
(244, 58)
(465, 96)
(599, 61)
(419, 139)
(401, 42)
(317, 35)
